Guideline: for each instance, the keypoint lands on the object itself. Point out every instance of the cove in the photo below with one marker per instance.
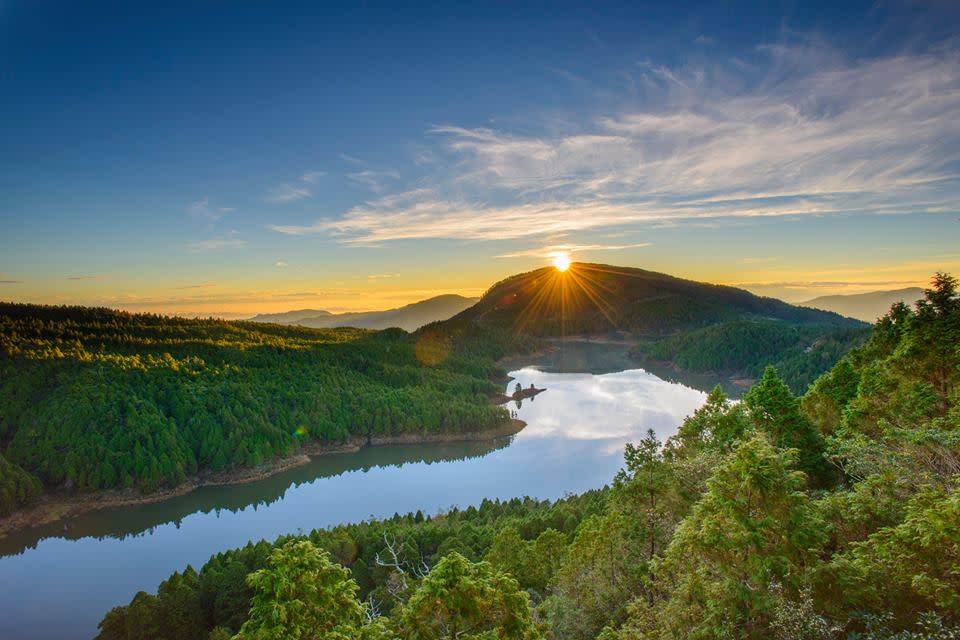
(58, 581)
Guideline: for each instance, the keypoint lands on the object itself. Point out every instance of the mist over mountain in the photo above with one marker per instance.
(865, 306)
(408, 317)
(289, 317)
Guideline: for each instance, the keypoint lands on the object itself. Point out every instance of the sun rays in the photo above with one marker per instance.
(561, 260)
(560, 298)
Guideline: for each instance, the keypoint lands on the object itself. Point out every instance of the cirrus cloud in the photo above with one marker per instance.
(800, 131)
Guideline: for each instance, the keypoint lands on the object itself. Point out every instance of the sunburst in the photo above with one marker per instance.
(561, 260)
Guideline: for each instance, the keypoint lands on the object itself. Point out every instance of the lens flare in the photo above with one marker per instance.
(561, 261)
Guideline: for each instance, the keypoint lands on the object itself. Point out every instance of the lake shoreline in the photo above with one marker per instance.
(56, 506)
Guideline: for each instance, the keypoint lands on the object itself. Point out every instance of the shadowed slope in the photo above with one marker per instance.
(598, 299)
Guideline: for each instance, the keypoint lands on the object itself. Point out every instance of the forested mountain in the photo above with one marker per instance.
(865, 306)
(693, 326)
(745, 348)
(96, 398)
(409, 317)
(834, 515)
(596, 298)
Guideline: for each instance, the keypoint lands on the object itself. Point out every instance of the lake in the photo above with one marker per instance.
(58, 581)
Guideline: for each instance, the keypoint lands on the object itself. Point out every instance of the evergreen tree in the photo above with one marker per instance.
(302, 595)
(753, 531)
(463, 600)
(776, 411)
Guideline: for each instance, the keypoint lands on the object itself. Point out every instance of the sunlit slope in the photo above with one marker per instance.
(598, 299)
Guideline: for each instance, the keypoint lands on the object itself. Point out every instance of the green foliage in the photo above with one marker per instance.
(753, 530)
(17, 487)
(829, 396)
(532, 562)
(96, 399)
(906, 568)
(301, 595)
(462, 599)
(174, 613)
(775, 410)
(746, 347)
(717, 425)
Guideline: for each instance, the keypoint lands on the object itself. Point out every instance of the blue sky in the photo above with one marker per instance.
(211, 158)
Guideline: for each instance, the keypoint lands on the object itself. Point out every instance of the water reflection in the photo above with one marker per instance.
(583, 356)
(121, 522)
(59, 586)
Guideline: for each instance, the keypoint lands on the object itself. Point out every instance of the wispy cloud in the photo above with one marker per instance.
(312, 176)
(287, 193)
(205, 285)
(280, 264)
(799, 131)
(353, 160)
(382, 276)
(376, 181)
(11, 281)
(226, 241)
(204, 210)
(91, 277)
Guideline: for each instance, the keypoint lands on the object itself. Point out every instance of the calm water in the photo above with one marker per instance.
(58, 581)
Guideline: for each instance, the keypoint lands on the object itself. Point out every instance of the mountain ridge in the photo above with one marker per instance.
(409, 317)
(865, 306)
(595, 298)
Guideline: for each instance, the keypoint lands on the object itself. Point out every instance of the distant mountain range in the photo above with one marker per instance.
(597, 298)
(410, 317)
(290, 317)
(865, 306)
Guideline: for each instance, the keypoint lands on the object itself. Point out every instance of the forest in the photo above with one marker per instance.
(98, 399)
(835, 514)
(746, 347)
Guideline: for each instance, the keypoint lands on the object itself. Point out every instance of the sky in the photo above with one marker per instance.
(233, 158)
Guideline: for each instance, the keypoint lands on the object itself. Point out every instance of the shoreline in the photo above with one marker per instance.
(56, 506)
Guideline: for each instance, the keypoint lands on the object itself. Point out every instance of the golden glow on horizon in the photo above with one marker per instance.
(561, 260)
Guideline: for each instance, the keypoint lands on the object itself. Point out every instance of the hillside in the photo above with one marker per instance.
(865, 306)
(596, 299)
(94, 399)
(409, 317)
(743, 348)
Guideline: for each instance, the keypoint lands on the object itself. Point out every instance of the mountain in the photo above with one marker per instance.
(289, 317)
(597, 299)
(865, 306)
(410, 317)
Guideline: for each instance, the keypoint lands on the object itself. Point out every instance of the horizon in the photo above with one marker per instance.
(335, 312)
(191, 161)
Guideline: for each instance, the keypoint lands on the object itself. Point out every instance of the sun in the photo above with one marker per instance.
(561, 261)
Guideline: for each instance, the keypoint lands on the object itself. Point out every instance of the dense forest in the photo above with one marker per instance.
(831, 515)
(97, 399)
(800, 353)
